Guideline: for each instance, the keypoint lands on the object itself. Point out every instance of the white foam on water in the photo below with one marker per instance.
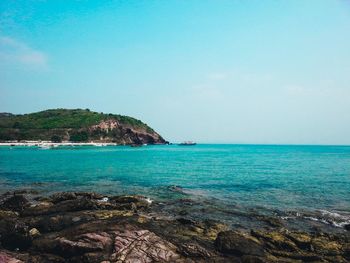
(317, 219)
(287, 217)
(330, 218)
(335, 215)
(341, 224)
(103, 200)
(148, 200)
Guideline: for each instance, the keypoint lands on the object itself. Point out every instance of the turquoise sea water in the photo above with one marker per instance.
(246, 177)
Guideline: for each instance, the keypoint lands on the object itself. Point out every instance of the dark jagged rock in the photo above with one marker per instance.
(64, 196)
(41, 208)
(14, 234)
(86, 243)
(275, 240)
(186, 221)
(69, 205)
(322, 245)
(75, 205)
(212, 228)
(347, 227)
(59, 222)
(194, 250)
(302, 240)
(300, 256)
(255, 259)
(238, 244)
(59, 197)
(130, 202)
(5, 214)
(88, 227)
(15, 203)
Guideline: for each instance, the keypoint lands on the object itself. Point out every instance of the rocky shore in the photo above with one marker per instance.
(89, 227)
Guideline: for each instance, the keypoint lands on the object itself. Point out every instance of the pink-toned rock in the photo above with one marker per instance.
(7, 258)
(142, 246)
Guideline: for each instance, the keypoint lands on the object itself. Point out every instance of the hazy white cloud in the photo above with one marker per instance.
(14, 52)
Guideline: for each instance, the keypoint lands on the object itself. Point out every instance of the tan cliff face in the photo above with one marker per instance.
(106, 125)
(113, 130)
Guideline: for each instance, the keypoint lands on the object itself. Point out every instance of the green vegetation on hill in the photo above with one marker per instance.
(63, 118)
(74, 125)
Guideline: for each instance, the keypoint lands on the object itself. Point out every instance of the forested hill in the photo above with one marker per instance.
(76, 125)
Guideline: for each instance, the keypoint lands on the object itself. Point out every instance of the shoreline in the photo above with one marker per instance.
(91, 227)
(49, 144)
(56, 144)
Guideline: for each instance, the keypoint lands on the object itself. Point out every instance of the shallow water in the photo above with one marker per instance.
(311, 182)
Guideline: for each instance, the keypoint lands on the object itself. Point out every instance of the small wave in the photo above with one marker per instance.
(335, 219)
(326, 217)
(341, 224)
(335, 215)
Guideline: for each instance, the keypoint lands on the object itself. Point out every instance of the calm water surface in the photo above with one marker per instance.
(283, 178)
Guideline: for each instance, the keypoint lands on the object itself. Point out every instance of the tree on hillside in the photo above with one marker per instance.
(79, 136)
(56, 138)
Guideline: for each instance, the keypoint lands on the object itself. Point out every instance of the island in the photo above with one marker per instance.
(75, 126)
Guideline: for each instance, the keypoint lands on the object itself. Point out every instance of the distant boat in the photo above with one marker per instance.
(188, 143)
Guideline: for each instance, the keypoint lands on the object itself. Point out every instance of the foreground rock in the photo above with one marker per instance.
(239, 244)
(88, 227)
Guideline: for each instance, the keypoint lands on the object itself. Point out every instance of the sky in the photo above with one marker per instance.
(265, 72)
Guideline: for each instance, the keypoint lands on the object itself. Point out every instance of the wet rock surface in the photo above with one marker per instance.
(239, 244)
(89, 227)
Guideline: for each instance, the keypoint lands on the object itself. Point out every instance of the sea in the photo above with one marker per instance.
(245, 186)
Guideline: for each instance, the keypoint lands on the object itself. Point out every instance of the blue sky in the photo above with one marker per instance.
(209, 71)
